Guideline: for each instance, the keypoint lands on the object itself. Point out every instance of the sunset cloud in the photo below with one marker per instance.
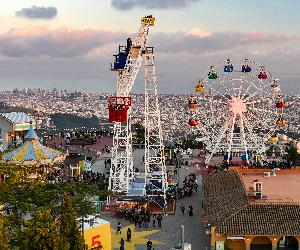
(62, 42)
(36, 12)
(39, 41)
(197, 41)
(150, 4)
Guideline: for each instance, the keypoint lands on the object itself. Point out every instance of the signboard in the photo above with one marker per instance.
(97, 204)
(23, 126)
(220, 245)
(85, 166)
(98, 237)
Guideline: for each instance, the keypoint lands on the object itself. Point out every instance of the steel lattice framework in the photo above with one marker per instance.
(121, 171)
(155, 169)
(237, 110)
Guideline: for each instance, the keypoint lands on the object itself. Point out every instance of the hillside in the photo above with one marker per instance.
(63, 121)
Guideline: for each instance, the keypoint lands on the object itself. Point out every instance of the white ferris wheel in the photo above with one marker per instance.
(238, 108)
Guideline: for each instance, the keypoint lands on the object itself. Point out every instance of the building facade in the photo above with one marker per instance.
(252, 209)
(14, 127)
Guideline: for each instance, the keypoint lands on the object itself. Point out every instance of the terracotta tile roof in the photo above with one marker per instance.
(224, 194)
(226, 206)
(263, 219)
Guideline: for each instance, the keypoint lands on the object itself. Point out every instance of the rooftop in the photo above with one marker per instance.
(282, 188)
(224, 195)
(17, 117)
(226, 206)
(92, 222)
(263, 219)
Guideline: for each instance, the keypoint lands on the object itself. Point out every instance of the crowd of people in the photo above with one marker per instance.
(81, 134)
(142, 217)
(189, 187)
(265, 164)
(60, 175)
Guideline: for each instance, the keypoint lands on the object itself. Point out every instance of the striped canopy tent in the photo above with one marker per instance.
(32, 153)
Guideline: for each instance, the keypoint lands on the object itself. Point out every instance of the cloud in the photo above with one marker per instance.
(150, 4)
(54, 43)
(36, 12)
(38, 41)
(197, 41)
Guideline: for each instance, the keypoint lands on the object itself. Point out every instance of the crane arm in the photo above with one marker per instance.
(134, 60)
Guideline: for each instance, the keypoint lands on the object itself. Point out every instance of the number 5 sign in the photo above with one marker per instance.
(98, 237)
(96, 242)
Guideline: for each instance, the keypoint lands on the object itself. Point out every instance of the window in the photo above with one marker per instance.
(257, 186)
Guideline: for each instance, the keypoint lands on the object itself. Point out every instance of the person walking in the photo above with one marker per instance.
(196, 187)
(135, 218)
(147, 219)
(159, 219)
(182, 208)
(122, 243)
(149, 245)
(191, 210)
(154, 220)
(128, 235)
(119, 228)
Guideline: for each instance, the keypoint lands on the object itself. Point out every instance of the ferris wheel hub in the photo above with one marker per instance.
(237, 105)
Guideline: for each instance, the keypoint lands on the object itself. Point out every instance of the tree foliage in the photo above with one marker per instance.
(138, 134)
(43, 215)
(42, 232)
(69, 229)
(63, 121)
(292, 155)
(4, 233)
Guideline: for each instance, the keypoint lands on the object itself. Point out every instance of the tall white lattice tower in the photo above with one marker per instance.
(155, 168)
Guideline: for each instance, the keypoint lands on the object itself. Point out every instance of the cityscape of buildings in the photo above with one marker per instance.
(44, 103)
(111, 138)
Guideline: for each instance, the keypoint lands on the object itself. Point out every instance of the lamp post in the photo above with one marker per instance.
(182, 237)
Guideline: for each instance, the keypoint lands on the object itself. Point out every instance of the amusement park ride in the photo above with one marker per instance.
(128, 63)
(239, 107)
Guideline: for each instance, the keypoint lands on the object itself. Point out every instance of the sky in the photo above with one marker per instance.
(69, 44)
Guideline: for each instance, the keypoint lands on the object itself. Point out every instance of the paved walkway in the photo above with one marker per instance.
(170, 233)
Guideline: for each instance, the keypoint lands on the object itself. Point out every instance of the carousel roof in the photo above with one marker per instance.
(17, 117)
(32, 150)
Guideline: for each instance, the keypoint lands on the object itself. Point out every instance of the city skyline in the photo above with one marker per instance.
(54, 43)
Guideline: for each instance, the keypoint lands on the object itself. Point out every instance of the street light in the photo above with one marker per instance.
(182, 237)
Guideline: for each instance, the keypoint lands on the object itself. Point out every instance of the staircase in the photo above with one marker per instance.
(137, 187)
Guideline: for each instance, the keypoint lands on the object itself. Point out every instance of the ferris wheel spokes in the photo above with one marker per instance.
(231, 136)
(242, 100)
(218, 140)
(260, 147)
(242, 120)
(255, 94)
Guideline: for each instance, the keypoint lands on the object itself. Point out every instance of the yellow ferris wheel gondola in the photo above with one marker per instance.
(199, 87)
(273, 139)
(148, 20)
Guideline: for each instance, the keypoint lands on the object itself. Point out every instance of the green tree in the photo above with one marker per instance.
(69, 229)
(292, 155)
(42, 232)
(139, 134)
(4, 233)
(22, 199)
